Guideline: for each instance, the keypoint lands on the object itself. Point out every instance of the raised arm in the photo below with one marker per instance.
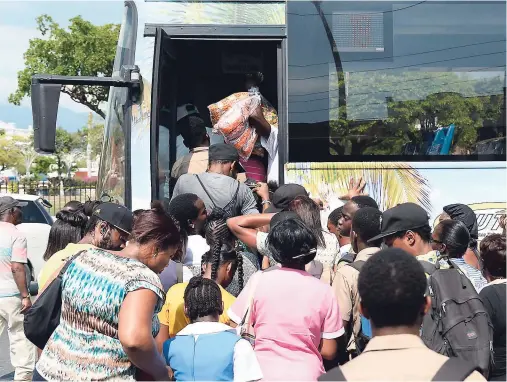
(257, 120)
(245, 227)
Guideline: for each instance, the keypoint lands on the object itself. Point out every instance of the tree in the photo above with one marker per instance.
(27, 152)
(66, 143)
(43, 164)
(9, 153)
(95, 136)
(82, 50)
(377, 124)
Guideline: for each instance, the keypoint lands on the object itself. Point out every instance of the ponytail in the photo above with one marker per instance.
(239, 260)
(215, 258)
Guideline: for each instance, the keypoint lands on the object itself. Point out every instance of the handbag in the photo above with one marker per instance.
(43, 317)
(245, 328)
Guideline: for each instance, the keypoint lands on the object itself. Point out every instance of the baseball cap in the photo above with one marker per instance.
(403, 217)
(115, 214)
(284, 195)
(184, 110)
(8, 202)
(225, 152)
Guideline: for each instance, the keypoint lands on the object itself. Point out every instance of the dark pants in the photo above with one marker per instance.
(37, 376)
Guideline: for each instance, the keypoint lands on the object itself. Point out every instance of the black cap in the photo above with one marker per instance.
(284, 195)
(115, 214)
(225, 152)
(401, 218)
(8, 202)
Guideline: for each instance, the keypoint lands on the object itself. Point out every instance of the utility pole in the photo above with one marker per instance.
(89, 146)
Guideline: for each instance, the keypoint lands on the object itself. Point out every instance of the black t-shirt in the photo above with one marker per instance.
(494, 297)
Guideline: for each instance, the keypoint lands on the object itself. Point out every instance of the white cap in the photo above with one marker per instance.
(185, 110)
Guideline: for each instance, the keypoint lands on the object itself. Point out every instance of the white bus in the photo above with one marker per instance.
(408, 94)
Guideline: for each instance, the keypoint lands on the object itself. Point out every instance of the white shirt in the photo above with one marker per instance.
(246, 366)
(196, 248)
(271, 146)
(344, 249)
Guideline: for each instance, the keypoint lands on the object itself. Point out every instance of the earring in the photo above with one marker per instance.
(155, 254)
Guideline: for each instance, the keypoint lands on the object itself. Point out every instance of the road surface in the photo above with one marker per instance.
(5, 362)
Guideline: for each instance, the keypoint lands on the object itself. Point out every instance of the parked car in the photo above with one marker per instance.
(36, 209)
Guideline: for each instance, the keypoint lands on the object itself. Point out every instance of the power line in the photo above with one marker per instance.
(403, 66)
(401, 55)
(396, 82)
(360, 13)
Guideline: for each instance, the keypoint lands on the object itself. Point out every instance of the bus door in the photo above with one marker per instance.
(196, 66)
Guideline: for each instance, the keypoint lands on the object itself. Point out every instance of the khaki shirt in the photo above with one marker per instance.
(401, 357)
(195, 162)
(345, 289)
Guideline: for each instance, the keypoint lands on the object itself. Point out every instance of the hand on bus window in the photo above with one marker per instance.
(355, 188)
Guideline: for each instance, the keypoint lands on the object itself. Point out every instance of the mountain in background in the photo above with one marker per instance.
(22, 117)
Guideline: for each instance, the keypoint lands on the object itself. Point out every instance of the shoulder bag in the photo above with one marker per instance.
(43, 317)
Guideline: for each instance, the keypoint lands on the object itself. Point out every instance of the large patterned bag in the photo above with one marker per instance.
(230, 117)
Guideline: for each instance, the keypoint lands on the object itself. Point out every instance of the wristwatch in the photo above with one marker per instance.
(266, 202)
(25, 297)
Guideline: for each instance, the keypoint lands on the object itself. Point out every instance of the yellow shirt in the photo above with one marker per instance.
(57, 259)
(173, 311)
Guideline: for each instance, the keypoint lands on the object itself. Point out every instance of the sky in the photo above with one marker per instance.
(18, 26)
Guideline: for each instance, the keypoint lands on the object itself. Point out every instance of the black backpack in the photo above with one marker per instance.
(363, 337)
(457, 324)
(225, 212)
(41, 320)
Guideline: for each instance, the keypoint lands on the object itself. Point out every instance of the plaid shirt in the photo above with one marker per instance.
(195, 162)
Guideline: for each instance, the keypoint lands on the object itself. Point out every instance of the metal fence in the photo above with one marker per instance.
(55, 192)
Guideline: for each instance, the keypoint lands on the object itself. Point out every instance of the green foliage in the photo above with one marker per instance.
(82, 50)
(95, 135)
(384, 112)
(43, 164)
(13, 188)
(10, 155)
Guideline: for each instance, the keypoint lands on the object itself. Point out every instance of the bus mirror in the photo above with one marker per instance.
(45, 98)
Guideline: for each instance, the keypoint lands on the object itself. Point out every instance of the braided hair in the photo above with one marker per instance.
(202, 298)
(223, 247)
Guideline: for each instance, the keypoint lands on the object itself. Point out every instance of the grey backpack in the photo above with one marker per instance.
(457, 325)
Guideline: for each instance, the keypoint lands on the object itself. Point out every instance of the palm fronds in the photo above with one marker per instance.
(232, 13)
(389, 183)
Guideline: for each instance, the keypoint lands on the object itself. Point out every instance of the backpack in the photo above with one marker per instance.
(226, 211)
(454, 369)
(347, 258)
(363, 337)
(457, 324)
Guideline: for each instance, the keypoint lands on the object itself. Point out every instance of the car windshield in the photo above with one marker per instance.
(32, 213)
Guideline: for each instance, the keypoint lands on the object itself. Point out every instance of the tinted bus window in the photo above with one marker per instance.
(396, 80)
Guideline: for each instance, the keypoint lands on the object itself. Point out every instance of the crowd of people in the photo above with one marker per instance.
(230, 282)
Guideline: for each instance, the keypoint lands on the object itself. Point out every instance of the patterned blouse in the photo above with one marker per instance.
(85, 346)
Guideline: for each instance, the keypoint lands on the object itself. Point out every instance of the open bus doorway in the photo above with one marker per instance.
(200, 73)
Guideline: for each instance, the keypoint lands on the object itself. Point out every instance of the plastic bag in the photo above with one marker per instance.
(230, 117)
(234, 125)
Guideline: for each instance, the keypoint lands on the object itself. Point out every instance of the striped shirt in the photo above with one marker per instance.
(474, 275)
(195, 162)
(85, 345)
(12, 249)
